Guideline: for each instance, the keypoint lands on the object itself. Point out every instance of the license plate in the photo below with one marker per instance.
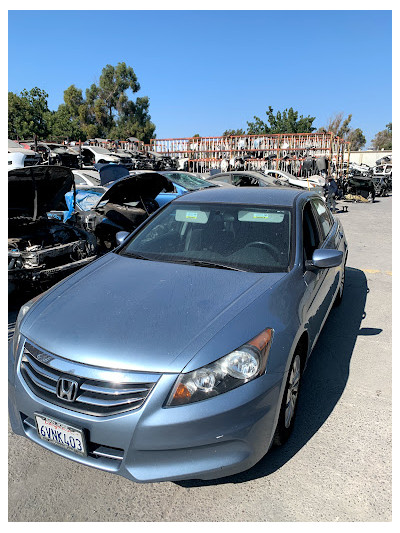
(61, 434)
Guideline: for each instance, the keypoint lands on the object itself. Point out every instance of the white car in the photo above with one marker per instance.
(305, 183)
(20, 157)
(97, 154)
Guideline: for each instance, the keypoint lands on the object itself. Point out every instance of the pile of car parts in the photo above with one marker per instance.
(42, 249)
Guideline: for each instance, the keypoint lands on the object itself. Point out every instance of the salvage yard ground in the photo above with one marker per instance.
(335, 467)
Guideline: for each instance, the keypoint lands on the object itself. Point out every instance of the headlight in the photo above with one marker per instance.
(234, 369)
(22, 312)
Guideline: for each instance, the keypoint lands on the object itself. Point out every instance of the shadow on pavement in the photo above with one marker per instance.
(323, 382)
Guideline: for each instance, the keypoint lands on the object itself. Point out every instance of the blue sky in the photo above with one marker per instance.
(206, 71)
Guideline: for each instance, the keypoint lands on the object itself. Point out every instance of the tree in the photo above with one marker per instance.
(134, 120)
(108, 106)
(67, 121)
(287, 121)
(383, 139)
(105, 111)
(356, 139)
(232, 133)
(338, 125)
(27, 114)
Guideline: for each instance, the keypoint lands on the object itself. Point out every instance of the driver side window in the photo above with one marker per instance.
(311, 236)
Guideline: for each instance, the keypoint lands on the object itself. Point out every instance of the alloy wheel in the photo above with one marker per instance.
(293, 390)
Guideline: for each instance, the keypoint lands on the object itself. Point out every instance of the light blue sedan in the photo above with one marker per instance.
(179, 355)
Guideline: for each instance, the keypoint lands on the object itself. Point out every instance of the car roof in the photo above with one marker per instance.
(278, 196)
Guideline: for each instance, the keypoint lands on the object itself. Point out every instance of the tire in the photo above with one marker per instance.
(288, 407)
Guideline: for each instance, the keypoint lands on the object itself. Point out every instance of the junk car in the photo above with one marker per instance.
(41, 247)
(20, 157)
(271, 178)
(56, 154)
(124, 205)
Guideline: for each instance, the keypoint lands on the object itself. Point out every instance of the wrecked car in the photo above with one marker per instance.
(41, 248)
(359, 186)
(20, 157)
(56, 154)
(123, 207)
(251, 178)
(97, 154)
(309, 183)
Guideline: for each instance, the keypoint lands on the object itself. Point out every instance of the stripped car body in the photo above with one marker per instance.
(42, 248)
(55, 154)
(123, 207)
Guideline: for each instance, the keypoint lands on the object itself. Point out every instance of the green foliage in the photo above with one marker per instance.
(231, 133)
(287, 121)
(106, 111)
(340, 127)
(27, 114)
(383, 139)
(357, 139)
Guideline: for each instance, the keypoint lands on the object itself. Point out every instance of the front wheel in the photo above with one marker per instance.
(289, 403)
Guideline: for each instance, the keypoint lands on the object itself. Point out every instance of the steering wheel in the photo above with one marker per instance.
(270, 247)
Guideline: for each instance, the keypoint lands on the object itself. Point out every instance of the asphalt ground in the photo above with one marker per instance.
(336, 465)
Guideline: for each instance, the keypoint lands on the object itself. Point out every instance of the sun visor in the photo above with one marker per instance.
(260, 216)
(192, 215)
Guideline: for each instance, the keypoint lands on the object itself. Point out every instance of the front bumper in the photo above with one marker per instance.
(206, 440)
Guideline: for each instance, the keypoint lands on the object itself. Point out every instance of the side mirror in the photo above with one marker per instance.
(325, 259)
(121, 236)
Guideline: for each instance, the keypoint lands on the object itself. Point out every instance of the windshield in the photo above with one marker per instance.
(250, 238)
(188, 181)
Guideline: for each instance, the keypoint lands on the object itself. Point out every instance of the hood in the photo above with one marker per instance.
(35, 190)
(111, 172)
(147, 316)
(133, 188)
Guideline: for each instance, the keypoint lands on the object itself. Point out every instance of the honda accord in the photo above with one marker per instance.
(179, 354)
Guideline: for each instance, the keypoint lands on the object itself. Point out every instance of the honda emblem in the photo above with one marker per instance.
(67, 389)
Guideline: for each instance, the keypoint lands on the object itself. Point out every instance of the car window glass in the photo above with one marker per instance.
(323, 216)
(188, 181)
(224, 179)
(311, 237)
(241, 180)
(253, 238)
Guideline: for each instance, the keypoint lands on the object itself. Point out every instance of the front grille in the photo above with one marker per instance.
(101, 391)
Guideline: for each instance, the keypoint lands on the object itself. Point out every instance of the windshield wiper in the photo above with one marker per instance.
(199, 262)
(136, 256)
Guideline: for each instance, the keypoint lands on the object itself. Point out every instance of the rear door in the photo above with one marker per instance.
(332, 238)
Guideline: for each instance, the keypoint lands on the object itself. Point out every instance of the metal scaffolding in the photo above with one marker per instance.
(297, 153)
